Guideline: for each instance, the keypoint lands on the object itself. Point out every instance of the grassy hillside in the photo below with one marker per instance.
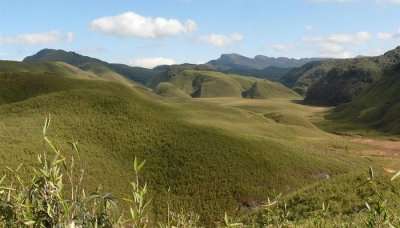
(344, 81)
(105, 73)
(58, 68)
(215, 155)
(262, 89)
(118, 72)
(167, 89)
(376, 108)
(203, 84)
(352, 200)
(334, 82)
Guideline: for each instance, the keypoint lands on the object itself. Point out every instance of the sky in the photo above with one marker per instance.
(153, 32)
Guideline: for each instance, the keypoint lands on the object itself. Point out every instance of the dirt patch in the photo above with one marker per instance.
(388, 148)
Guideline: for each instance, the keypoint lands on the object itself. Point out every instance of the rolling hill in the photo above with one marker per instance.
(377, 107)
(215, 155)
(208, 84)
(120, 72)
(334, 82)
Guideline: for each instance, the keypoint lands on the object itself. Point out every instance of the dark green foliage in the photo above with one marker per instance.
(334, 82)
(377, 107)
(341, 84)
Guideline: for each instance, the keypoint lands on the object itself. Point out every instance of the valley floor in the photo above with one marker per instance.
(283, 119)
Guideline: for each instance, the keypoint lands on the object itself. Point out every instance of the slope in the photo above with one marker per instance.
(198, 83)
(334, 82)
(376, 108)
(58, 68)
(118, 71)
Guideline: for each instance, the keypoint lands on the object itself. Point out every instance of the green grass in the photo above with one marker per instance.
(266, 89)
(167, 89)
(335, 82)
(208, 84)
(374, 112)
(105, 73)
(214, 154)
(57, 68)
(115, 72)
(338, 202)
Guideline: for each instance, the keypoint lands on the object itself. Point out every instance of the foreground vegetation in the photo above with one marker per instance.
(55, 196)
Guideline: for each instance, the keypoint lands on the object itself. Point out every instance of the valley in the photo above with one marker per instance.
(213, 142)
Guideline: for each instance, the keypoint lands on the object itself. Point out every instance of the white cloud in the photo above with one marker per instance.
(342, 38)
(282, 47)
(388, 35)
(130, 24)
(389, 1)
(70, 37)
(375, 52)
(337, 45)
(396, 2)
(151, 62)
(385, 36)
(219, 40)
(309, 27)
(44, 38)
(330, 1)
(333, 50)
(357, 38)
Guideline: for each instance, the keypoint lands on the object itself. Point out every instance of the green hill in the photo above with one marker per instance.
(110, 71)
(105, 73)
(214, 155)
(208, 84)
(167, 89)
(262, 89)
(58, 68)
(334, 82)
(375, 108)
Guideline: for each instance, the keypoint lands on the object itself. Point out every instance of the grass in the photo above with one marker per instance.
(105, 73)
(351, 200)
(115, 72)
(48, 200)
(374, 112)
(208, 84)
(215, 154)
(167, 89)
(335, 82)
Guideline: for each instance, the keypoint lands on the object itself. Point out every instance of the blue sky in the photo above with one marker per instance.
(151, 32)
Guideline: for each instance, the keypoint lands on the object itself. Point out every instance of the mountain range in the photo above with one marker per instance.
(259, 66)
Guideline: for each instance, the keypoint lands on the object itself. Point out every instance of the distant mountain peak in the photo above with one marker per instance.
(87, 63)
(234, 61)
(69, 57)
